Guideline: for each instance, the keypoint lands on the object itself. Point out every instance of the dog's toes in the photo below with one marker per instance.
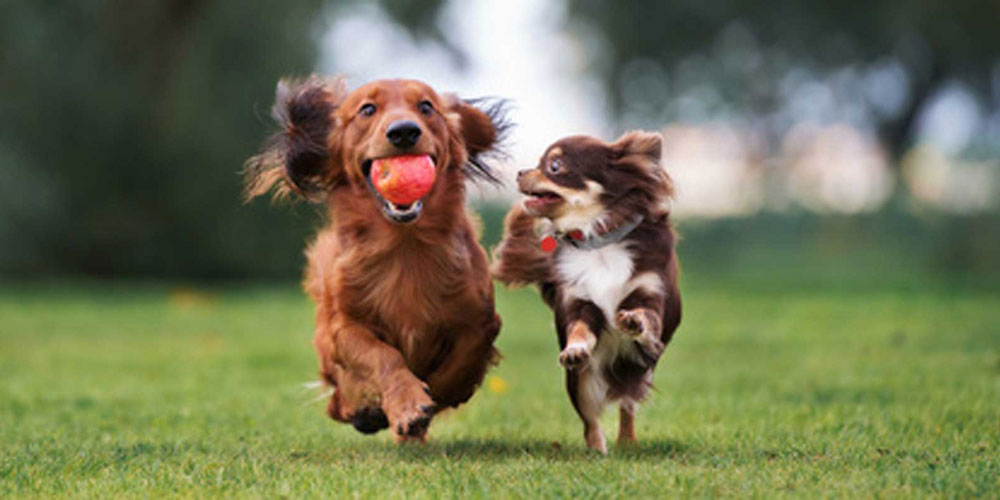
(630, 322)
(410, 417)
(574, 356)
(418, 426)
(415, 425)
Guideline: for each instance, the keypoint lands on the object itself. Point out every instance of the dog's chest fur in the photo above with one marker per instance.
(601, 276)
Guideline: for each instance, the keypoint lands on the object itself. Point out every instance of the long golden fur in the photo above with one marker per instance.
(405, 318)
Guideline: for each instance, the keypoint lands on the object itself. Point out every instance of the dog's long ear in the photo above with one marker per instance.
(300, 157)
(483, 126)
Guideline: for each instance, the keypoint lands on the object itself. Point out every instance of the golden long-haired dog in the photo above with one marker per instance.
(405, 318)
(604, 262)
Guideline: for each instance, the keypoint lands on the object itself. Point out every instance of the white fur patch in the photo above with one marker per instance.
(600, 275)
(575, 347)
(647, 281)
(603, 276)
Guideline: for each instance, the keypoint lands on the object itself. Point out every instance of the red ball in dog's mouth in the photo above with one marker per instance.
(405, 179)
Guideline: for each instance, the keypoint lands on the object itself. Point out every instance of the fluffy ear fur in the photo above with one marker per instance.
(483, 126)
(299, 158)
(640, 152)
(640, 143)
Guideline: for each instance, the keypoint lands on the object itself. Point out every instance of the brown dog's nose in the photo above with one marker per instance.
(403, 133)
(522, 173)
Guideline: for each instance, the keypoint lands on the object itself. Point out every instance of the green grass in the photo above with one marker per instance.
(118, 390)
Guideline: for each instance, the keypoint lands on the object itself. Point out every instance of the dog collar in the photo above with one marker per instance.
(577, 239)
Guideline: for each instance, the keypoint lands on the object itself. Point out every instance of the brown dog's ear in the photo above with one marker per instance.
(641, 143)
(483, 125)
(299, 157)
(641, 151)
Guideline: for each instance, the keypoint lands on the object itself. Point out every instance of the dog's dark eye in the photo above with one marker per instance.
(555, 166)
(425, 107)
(367, 110)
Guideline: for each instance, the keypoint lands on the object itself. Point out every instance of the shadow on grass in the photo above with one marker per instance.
(501, 450)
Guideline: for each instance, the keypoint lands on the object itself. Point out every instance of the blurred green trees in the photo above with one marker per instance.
(125, 124)
(744, 59)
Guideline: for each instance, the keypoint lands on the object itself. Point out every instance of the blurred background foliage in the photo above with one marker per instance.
(125, 124)
(737, 55)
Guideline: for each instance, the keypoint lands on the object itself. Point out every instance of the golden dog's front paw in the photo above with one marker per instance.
(409, 409)
(575, 356)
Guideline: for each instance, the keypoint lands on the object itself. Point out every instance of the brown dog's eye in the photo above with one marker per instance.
(367, 110)
(425, 107)
(555, 166)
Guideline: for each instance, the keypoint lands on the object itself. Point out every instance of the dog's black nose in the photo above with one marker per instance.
(403, 133)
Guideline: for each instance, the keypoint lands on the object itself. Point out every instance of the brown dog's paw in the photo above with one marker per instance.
(414, 422)
(575, 356)
(369, 420)
(632, 322)
(595, 440)
(651, 347)
(410, 410)
(413, 430)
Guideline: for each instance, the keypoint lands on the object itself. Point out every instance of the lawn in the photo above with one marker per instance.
(137, 390)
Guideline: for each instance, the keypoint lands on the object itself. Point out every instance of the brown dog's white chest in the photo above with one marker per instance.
(602, 275)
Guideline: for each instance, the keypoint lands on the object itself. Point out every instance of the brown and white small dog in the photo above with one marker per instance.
(405, 321)
(611, 278)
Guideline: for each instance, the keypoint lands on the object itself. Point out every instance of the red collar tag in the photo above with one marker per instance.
(549, 244)
(549, 241)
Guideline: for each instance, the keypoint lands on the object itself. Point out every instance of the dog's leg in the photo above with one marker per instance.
(626, 422)
(354, 400)
(404, 398)
(580, 342)
(455, 380)
(589, 392)
(644, 326)
(583, 322)
(640, 316)
(580, 322)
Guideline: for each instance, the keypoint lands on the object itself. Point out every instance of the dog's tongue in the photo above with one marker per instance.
(403, 179)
